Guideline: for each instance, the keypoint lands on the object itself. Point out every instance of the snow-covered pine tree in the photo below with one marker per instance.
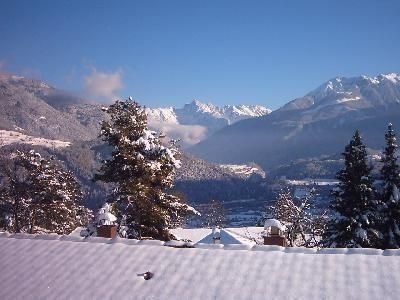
(48, 198)
(390, 210)
(142, 169)
(15, 197)
(355, 222)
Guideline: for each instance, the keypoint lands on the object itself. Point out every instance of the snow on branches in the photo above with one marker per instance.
(38, 195)
(142, 169)
(390, 206)
(355, 222)
(302, 227)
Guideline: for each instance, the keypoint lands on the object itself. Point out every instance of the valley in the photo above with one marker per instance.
(239, 155)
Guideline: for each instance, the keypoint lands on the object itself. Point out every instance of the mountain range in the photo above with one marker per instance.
(36, 115)
(36, 108)
(196, 121)
(301, 139)
(318, 124)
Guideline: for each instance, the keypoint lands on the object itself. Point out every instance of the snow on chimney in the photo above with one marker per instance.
(216, 232)
(106, 226)
(273, 233)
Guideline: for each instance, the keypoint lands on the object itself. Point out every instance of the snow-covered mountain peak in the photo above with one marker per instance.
(342, 94)
(393, 77)
(232, 113)
(370, 80)
(331, 86)
(204, 118)
(166, 115)
(343, 84)
(201, 107)
(226, 111)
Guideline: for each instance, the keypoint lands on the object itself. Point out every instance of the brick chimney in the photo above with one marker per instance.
(107, 231)
(273, 233)
(106, 226)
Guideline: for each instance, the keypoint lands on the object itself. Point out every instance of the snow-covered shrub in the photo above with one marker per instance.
(303, 229)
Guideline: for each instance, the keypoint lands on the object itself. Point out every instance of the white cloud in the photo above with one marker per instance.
(103, 85)
(188, 134)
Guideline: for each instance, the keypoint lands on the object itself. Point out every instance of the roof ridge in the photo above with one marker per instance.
(180, 244)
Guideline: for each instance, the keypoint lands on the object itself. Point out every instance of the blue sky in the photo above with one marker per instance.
(166, 53)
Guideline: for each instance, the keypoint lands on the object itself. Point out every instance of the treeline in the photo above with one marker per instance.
(38, 195)
(364, 212)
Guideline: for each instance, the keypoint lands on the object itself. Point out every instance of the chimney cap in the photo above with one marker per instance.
(274, 223)
(105, 217)
(216, 232)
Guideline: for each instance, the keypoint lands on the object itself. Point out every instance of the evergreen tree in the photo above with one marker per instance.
(390, 210)
(37, 195)
(15, 199)
(356, 221)
(142, 169)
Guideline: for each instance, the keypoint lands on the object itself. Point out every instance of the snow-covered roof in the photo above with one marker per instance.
(52, 266)
(243, 235)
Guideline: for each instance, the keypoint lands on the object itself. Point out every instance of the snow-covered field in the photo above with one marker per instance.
(8, 137)
(54, 267)
(243, 212)
(244, 170)
(313, 182)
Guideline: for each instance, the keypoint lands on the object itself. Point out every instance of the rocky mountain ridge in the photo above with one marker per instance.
(197, 112)
(320, 123)
(196, 121)
(38, 109)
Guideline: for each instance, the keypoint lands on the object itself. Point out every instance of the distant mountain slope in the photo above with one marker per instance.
(8, 137)
(195, 169)
(37, 109)
(321, 122)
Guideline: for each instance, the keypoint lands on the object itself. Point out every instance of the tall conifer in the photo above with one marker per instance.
(142, 170)
(390, 173)
(355, 222)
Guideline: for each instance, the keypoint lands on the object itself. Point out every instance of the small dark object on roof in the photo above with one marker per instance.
(147, 275)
